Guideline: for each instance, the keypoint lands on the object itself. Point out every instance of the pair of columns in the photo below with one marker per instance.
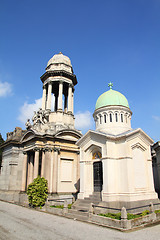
(47, 95)
(30, 168)
(49, 168)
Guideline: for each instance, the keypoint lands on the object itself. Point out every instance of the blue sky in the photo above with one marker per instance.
(106, 40)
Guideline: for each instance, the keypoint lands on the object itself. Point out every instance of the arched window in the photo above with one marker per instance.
(110, 117)
(121, 117)
(100, 119)
(116, 116)
(105, 118)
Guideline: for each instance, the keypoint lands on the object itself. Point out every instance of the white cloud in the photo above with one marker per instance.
(83, 120)
(27, 110)
(157, 118)
(5, 89)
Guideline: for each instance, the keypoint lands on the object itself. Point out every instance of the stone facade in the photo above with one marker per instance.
(47, 146)
(115, 160)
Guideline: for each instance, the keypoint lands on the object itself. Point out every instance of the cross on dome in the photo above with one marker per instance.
(110, 85)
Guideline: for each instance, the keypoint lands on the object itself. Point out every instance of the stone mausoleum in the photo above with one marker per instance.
(47, 146)
(115, 160)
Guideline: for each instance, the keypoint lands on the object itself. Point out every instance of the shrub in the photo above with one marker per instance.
(37, 192)
(157, 211)
(129, 215)
(112, 215)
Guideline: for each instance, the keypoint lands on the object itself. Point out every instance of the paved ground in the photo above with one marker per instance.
(22, 223)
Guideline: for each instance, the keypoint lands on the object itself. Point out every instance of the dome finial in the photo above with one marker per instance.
(110, 85)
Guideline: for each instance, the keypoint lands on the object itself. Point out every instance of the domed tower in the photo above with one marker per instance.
(112, 113)
(58, 91)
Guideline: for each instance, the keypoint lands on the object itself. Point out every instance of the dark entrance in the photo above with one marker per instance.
(98, 176)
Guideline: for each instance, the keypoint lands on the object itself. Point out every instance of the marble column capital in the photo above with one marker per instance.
(36, 149)
(56, 150)
(71, 85)
(44, 87)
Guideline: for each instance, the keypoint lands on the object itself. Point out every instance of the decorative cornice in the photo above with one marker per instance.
(59, 73)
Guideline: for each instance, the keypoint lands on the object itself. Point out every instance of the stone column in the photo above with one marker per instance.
(24, 172)
(70, 98)
(44, 98)
(36, 163)
(31, 169)
(51, 173)
(49, 96)
(55, 170)
(60, 96)
(43, 164)
(48, 166)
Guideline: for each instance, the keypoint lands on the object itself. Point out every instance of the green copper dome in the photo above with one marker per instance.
(111, 98)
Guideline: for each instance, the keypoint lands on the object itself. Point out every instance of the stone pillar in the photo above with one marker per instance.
(36, 163)
(43, 164)
(31, 168)
(44, 98)
(70, 99)
(60, 96)
(49, 96)
(55, 170)
(51, 173)
(48, 166)
(24, 172)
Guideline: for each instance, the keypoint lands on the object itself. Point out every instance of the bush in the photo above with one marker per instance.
(37, 192)
(112, 215)
(129, 215)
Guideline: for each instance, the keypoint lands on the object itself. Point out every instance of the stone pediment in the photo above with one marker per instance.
(68, 135)
(28, 136)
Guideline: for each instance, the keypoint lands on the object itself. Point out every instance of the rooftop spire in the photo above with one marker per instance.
(110, 85)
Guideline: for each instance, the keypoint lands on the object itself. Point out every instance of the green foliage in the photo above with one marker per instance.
(112, 215)
(37, 192)
(1, 141)
(69, 206)
(58, 206)
(157, 211)
(133, 216)
(129, 215)
(61, 206)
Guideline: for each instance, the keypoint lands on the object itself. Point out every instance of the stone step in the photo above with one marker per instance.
(92, 199)
(86, 201)
(96, 194)
(81, 208)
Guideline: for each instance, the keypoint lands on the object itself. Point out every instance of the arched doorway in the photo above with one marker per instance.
(97, 172)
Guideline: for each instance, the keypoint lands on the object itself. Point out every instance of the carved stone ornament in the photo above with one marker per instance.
(28, 124)
(41, 116)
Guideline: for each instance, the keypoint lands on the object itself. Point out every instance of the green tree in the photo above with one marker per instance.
(37, 192)
(1, 141)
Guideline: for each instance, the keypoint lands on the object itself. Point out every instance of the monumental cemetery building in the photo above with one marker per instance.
(115, 160)
(47, 146)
